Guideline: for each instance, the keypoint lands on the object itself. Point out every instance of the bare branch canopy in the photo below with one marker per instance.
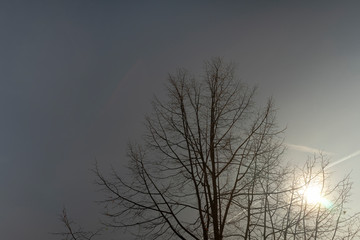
(211, 167)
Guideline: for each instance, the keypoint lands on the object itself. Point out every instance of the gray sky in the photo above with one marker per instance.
(76, 78)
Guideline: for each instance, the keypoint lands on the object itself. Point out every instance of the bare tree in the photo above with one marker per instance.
(75, 233)
(210, 168)
(303, 204)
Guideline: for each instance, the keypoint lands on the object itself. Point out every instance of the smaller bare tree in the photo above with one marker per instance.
(74, 232)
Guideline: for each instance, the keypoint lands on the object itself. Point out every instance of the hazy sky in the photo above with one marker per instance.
(76, 78)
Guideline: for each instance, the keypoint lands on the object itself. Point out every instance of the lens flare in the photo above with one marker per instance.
(313, 195)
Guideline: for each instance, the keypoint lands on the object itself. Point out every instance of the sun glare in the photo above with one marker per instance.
(312, 194)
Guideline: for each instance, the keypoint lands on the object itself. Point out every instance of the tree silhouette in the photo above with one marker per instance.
(210, 167)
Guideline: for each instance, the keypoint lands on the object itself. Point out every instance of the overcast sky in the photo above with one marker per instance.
(76, 78)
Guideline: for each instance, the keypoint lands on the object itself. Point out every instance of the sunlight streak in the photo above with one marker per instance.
(343, 159)
(306, 149)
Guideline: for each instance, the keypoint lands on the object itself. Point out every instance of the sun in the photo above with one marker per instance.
(312, 194)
